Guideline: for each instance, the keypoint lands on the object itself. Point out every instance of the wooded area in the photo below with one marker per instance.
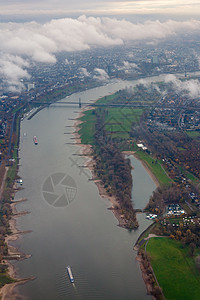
(114, 171)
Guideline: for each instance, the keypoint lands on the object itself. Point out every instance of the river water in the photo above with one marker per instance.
(76, 229)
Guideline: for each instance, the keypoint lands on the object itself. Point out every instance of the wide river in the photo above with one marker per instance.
(71, 224)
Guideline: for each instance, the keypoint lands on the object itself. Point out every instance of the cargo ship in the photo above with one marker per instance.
(35, 140)
(70, 274)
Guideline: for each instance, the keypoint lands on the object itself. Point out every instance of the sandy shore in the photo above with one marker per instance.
(86, 151)
(8, 291)
(15, 233)
(149, 286)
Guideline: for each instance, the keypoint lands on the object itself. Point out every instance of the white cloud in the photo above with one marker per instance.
(191, 86)
(84, 72)
(129, 65)
(12, 71)
(100, 74)
(41, 42)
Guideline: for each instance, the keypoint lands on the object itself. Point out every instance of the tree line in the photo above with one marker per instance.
(114, 171)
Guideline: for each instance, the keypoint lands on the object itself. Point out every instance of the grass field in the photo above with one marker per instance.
(119, 120)
(106, 99)
(189, 175)
(12, 171)
(193, 134)
(118, 123)
(174, 269)
(156, 168)
(87, 127)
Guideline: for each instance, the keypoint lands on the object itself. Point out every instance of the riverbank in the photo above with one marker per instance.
(7, 193)
(90, 163)
(86, 151)
(153, 177)
(149, 286)
(8, 190)
(8, 290)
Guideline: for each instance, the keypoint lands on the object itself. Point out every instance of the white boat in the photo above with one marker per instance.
(70, 274)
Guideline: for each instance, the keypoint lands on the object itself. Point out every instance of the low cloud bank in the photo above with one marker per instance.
(192, 86)
(22, 43)
(189, 87)
(100, 74)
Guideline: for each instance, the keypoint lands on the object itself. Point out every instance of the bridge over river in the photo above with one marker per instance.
(126, 104)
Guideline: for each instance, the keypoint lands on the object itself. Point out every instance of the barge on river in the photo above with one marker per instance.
(35, 140)
(70, 274)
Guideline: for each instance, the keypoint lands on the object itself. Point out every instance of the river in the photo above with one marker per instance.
(70, 222)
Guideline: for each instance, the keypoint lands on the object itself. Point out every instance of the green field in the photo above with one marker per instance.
(180, 148)
(12, 171)
(87, 127)
(106, 99)
(118, 123)
(189, 175)
(174, 269)
(156, 168)
(193, 134)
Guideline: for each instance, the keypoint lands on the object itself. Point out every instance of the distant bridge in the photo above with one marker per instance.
(122, 105)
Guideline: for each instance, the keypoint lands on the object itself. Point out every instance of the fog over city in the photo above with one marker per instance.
(22, 43)
(190, 87)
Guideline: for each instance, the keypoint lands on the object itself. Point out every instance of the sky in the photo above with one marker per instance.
(96, 7)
